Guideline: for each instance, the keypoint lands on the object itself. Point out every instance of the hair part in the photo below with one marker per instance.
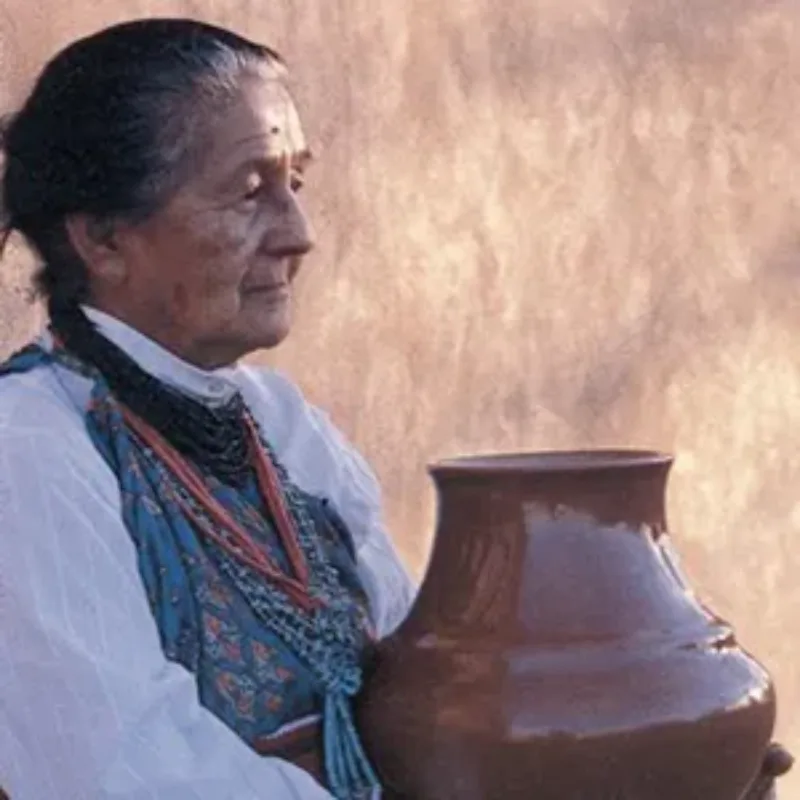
(111, 130)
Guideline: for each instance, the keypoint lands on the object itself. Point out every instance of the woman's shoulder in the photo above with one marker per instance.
(34, 397)
(266, 384)
(280, 405)
(316, 452)
(41, 421)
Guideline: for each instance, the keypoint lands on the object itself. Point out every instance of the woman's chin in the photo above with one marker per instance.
(270, 328)
(255, 327)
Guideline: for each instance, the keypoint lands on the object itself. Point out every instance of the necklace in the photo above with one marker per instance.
(217, 524)
(214, 438)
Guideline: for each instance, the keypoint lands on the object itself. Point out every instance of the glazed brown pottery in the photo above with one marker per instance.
(555, 651)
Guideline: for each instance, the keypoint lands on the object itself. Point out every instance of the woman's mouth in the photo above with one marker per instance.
(276, 291)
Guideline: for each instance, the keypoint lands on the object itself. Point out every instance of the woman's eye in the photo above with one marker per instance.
(253, 187)
(296, 181)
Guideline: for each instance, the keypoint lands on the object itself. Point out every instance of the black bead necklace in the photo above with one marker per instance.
(213, 437)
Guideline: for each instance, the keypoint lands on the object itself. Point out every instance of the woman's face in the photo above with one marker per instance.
(210, 276)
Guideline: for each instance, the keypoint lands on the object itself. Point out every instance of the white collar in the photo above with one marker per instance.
(209, 386)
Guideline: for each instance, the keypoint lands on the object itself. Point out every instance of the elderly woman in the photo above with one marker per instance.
(192, 561)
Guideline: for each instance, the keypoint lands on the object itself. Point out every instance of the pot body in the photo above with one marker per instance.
(555, 651)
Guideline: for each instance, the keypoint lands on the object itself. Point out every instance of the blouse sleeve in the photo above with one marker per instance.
(320, 460)
(90, 708)
(357, 495)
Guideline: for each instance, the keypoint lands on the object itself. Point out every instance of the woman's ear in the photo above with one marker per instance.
(94, 242)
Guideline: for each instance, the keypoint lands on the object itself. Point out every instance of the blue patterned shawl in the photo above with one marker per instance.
(260, 661)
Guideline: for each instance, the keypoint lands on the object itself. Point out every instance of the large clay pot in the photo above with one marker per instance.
(555, 651)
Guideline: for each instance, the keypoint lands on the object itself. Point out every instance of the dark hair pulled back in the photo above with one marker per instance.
(110, 130)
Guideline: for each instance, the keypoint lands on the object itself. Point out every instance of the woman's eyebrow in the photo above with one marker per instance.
(299, 160)
(302, 159)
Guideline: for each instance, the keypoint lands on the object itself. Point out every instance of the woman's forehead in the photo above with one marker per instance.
(280, 119)
(263, 121)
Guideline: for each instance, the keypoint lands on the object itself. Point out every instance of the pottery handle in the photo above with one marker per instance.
(777, 761)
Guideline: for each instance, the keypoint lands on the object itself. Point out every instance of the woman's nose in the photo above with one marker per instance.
(292, 234)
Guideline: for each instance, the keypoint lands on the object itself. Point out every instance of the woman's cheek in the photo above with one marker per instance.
(223, 298)
(181, 300)
(201, 305)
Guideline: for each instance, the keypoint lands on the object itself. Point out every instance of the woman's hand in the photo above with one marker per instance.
(778, 761)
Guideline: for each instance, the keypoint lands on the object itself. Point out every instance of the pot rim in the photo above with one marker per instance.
(553, 461)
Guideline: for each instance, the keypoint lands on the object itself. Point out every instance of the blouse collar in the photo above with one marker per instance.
(213, 387)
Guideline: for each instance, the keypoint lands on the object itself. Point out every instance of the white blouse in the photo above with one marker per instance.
(89, 706)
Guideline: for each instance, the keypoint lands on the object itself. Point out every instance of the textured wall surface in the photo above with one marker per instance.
(545, 224)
